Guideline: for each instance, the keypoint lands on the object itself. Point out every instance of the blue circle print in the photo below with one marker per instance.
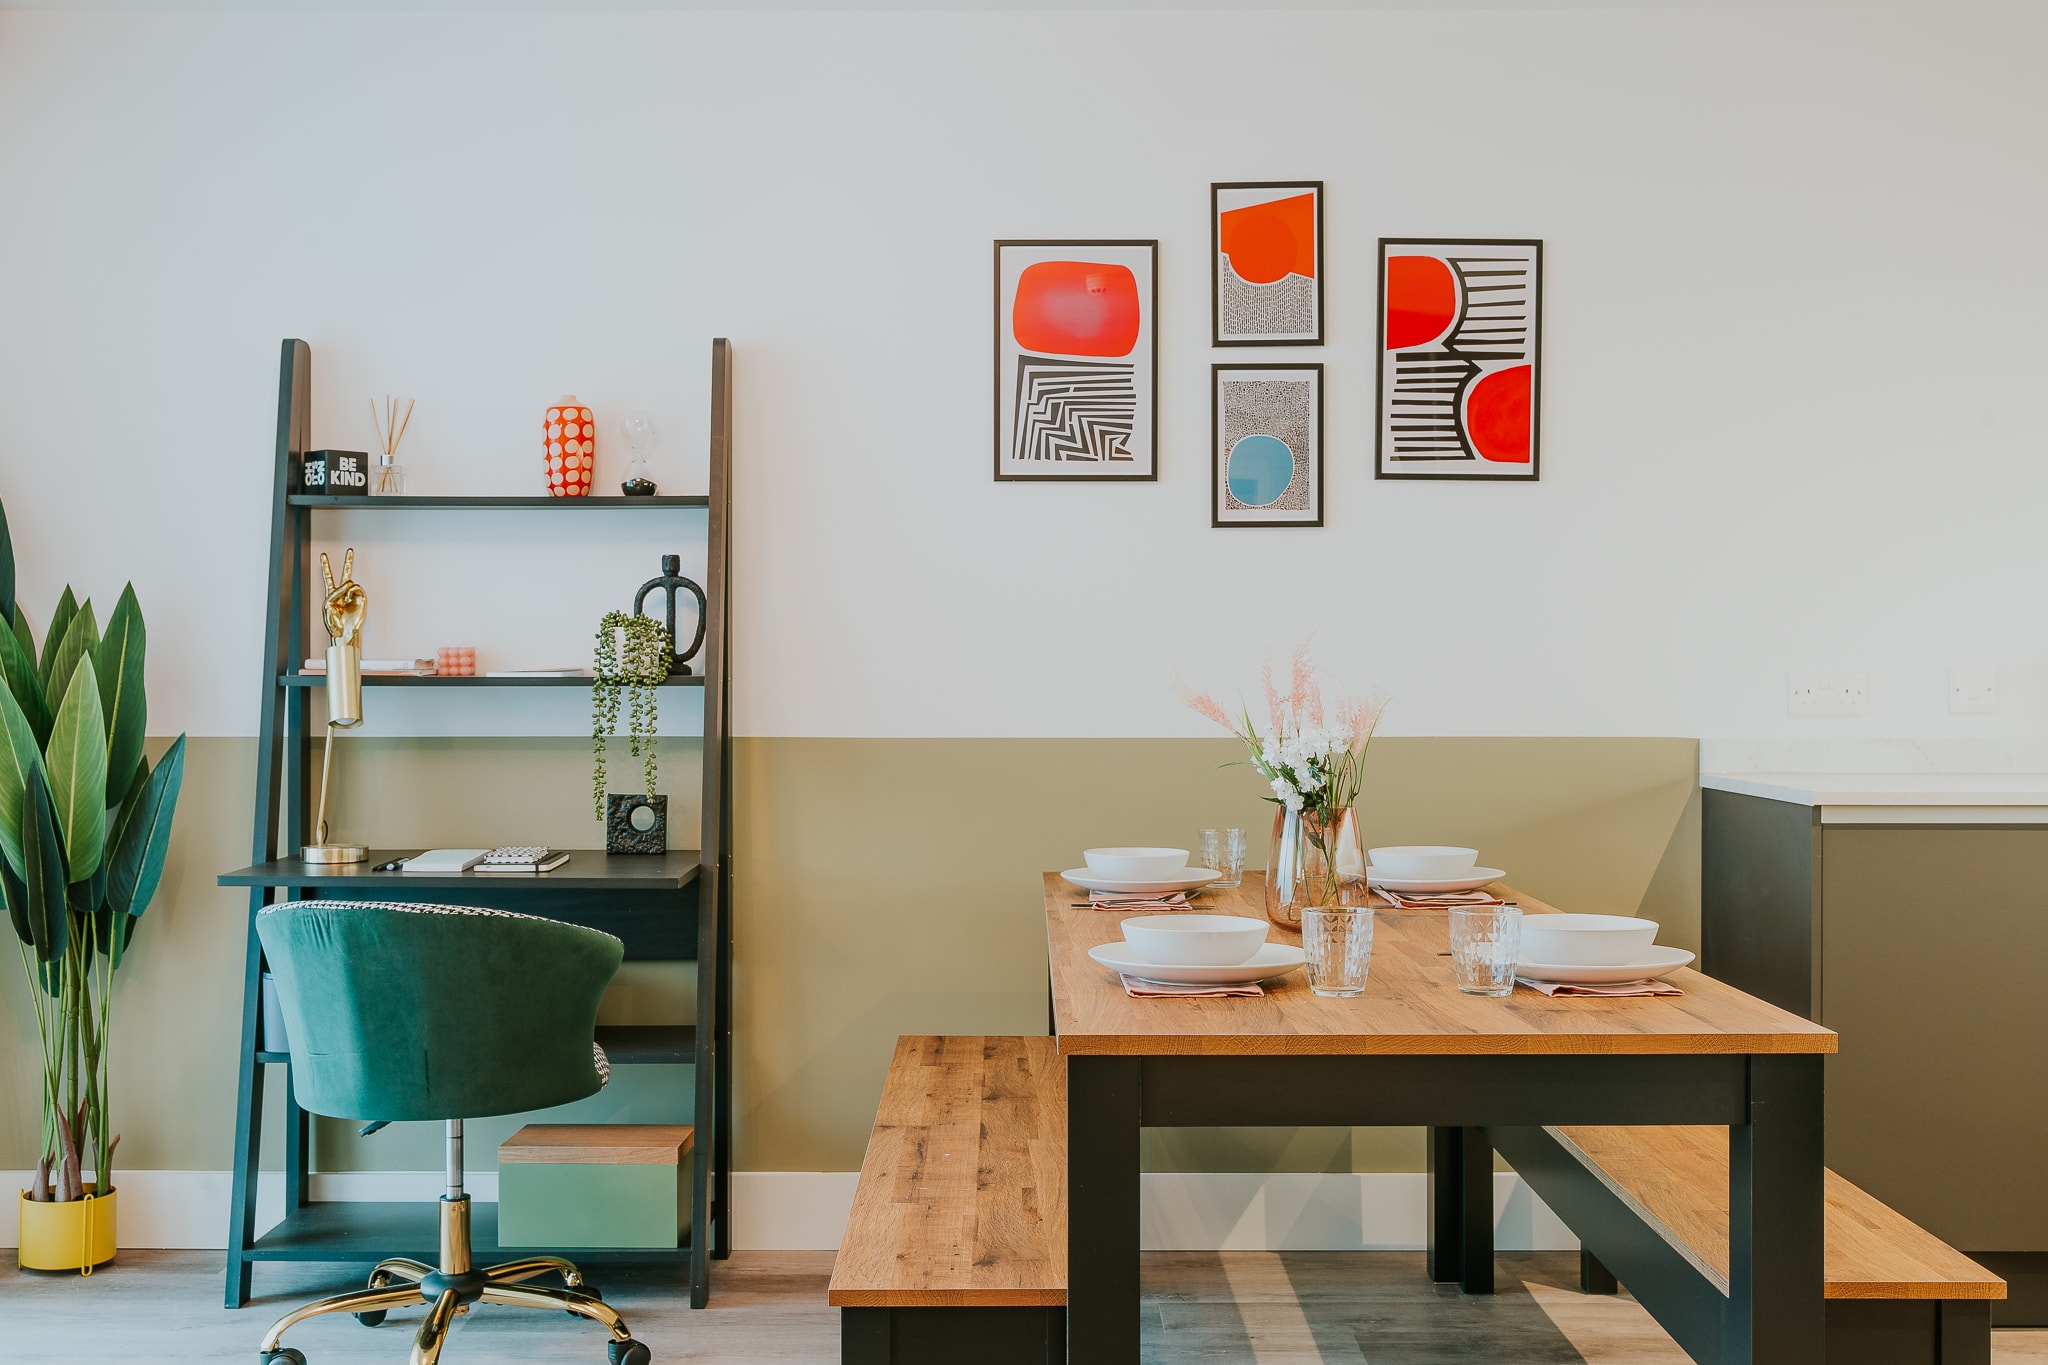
(1261, 467)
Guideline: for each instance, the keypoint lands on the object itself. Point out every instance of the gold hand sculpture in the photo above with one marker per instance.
(342, 611)
(345, 604)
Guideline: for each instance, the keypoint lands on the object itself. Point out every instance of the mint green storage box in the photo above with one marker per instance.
(564, 1186)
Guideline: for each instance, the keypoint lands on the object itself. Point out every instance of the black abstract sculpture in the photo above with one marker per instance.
(671, 582)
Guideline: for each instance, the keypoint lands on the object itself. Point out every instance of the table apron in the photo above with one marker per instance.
(1442, 1090)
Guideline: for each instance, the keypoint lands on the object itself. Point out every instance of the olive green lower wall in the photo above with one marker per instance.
(881, 887)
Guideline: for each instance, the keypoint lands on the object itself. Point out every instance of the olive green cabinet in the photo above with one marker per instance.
(1925, 946)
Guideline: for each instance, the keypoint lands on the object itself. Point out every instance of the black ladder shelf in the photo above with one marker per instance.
(668, 907)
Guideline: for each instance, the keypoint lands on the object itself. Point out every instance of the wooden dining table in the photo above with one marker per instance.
(1414, 1051)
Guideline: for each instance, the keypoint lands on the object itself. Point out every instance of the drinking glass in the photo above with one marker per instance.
(1222, 850)
(1486, 942)
(1338, 943)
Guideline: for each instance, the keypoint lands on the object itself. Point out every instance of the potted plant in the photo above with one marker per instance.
(85, 823)
(632, 659)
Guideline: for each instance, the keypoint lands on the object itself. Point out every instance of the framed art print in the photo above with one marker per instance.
(1077, 360)
(1460, 358)
(1266, 263)
(1266, 445)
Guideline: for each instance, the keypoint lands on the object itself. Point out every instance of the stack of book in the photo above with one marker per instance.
(407, 668)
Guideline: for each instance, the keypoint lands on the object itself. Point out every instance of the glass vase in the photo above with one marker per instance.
(1316, 861)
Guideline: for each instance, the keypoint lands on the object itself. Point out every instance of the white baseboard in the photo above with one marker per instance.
(806, 1210)
(790, 1210)
(1296, 1211)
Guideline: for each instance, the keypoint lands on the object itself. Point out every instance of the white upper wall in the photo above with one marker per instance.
(1793, 347)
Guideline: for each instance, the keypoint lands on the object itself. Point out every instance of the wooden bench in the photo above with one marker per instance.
(1896, 1294)
(956, 1249)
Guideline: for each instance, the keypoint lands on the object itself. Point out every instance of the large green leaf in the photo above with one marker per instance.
(87, 897)
(17, 902)
(7, 607)
(42, 873)
(20, 754)
(138, 856)
(77, 763)
(60, 622)
(81, 641)
(18, 672)
(119, 662)
(22, 635)
(119, 816)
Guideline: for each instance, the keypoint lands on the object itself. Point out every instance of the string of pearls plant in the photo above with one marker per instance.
(632, 658)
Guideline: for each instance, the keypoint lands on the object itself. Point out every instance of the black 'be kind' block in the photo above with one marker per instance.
(348, 471)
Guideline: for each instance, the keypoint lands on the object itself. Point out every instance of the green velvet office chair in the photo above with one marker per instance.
(403, 1011)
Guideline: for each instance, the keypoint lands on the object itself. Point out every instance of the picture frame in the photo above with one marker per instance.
(1459, 385)
(1076, 360)
(1266, 284)
(1266, 444)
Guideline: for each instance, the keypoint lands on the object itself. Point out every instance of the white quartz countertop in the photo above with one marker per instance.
(1942, 797)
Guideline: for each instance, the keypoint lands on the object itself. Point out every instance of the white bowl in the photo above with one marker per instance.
(1586, 940)
(1137, 864)
(1423, 862)
(1195, 940)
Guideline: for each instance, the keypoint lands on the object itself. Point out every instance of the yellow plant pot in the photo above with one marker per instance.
(75, 1235)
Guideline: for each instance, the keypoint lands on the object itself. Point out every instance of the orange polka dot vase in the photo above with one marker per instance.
(570, 451)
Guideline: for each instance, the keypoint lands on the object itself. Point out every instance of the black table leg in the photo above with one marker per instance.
(1595, 1278)
(1103, 1112)
(1461, 1209)
(1776, 1217)
(1475, 1270)
(1446, 1204)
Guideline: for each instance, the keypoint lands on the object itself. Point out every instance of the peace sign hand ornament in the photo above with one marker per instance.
(345, 605)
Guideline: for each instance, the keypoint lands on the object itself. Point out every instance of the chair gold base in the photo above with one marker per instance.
(450, 1289)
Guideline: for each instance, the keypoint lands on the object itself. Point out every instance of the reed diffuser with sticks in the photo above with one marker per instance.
(390, 425)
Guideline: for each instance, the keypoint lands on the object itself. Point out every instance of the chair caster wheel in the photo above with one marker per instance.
(379, 1279)
(585, 1288)
(284, 1355)
(627, 1353)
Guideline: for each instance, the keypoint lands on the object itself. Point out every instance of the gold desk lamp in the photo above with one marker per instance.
(343, 614)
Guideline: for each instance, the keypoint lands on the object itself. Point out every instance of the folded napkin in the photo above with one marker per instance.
(1110, 900)
(1149, 990)
(1410, 900)
(1618, 988)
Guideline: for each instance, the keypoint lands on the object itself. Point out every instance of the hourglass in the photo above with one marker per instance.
(641, 438)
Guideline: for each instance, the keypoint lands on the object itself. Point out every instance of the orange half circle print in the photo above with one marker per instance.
(1422, 298)
(1076, 308)
(1268, 242)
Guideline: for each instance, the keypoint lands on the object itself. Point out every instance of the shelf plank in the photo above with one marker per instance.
(349, 1230)
(437, 500)
(409, 680)
(586, 870)
(648, 1044)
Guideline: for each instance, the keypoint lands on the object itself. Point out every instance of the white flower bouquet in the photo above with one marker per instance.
(1312, 755)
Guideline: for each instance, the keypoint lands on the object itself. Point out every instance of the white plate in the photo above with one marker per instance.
(1471, 881)
(1653, 964)
(1274, 959)
(1193, 879)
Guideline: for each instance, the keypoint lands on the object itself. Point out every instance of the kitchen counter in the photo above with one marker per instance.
(1817, 891)
(1921, 798)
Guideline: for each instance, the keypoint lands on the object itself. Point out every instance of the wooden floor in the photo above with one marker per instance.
(162, 1308)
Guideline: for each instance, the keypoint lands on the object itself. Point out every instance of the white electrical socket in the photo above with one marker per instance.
(1827, 694)
(1972, 691)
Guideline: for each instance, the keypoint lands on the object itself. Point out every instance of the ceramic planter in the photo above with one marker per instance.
(75, 1235)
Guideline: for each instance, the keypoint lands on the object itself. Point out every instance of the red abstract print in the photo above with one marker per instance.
(1076, 308)
(1458, 360)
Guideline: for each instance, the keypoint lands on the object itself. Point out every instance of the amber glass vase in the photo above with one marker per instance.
(1316, 860)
